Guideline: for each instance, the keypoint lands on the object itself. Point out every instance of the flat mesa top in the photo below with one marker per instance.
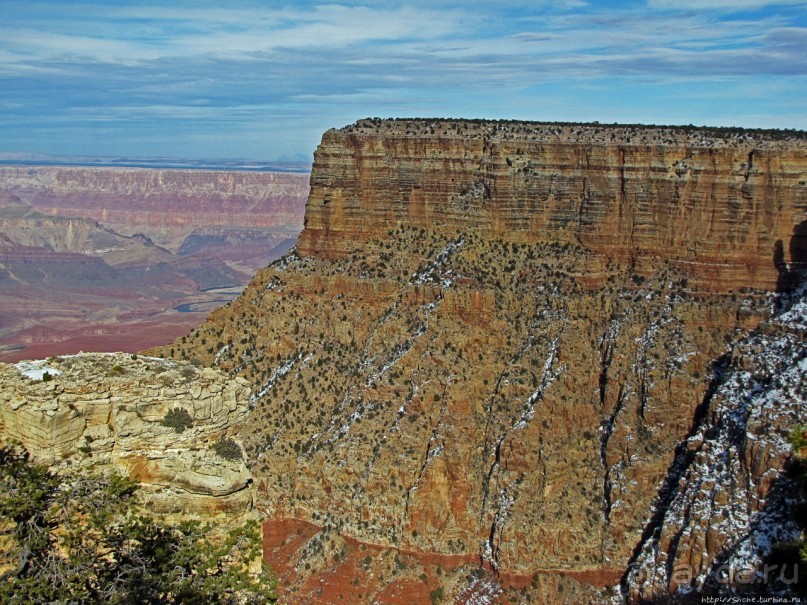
(621, 134)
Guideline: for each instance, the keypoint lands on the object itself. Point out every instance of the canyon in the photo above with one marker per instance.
(484, 370)
(124, 258)
(506, 362)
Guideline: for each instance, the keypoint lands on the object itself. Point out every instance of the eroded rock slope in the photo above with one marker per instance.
(490, 343)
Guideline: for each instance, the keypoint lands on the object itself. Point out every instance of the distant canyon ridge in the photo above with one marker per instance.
(126, 258)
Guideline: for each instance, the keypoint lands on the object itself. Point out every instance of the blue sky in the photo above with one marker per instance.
(263, 80)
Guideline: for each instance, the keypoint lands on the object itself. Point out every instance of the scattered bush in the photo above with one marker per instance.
(178, 419)
(228, 449)
(798, 438)
(436, 596)
(84, 539)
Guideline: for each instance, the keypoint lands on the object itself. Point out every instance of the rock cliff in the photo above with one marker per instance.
(729, 497)
(714, 203)
(473, 377)
(110, 411)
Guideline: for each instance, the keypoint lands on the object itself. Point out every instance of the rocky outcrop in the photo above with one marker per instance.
(712, 202)
(112, 411)
(490, 342)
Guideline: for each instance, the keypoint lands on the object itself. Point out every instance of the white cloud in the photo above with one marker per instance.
(721, 5)
(203, 69)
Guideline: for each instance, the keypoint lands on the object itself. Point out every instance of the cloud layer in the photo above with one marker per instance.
(250, 81)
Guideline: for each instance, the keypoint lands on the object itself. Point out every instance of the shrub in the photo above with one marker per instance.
(228, 449)
(437, 595)
(798, 438)
(178, 419)
(81, 539)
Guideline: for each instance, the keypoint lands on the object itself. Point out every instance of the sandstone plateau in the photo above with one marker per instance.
(122, 259)
(518, 362)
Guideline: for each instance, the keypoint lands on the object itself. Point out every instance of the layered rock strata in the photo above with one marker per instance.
(121, 259)
(713, 202)
(165, 205)
(491, 341)
(109, 411)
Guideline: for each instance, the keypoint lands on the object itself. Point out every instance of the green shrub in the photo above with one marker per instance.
(436, 596)
(228, 449)
(798, 438)
(178, 419)
(83, 539)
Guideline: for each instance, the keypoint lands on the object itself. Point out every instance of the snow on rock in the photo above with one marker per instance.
(36, 370)
(732, 501)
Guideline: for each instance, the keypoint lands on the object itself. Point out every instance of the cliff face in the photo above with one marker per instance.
(492, 340)
(731, 499)
(108, 411)
(64, 235)
(714, 205)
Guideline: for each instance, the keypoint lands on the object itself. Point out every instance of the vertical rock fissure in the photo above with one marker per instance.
(623, 196)
(488, 553)
(750, 165)
(606, 357)
(607, 347)
(606, 431)
(416, 482)
(486, 485)
(428, 455)
(490, 550)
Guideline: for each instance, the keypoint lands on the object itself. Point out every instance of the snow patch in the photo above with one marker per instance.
(36, 370)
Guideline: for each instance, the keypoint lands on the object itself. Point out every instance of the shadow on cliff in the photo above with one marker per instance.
(682, 459)
(780, 573)
(781, 520)
(792, 273)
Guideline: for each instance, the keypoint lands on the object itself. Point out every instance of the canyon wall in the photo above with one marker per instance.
(713, 203)
(122, 259)
(165, 205)
(478, 375)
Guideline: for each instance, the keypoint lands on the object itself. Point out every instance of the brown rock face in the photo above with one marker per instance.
(489, 344)
(730, 499)
(715, 204)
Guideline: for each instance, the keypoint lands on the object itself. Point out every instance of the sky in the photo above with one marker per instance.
(263, 80)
